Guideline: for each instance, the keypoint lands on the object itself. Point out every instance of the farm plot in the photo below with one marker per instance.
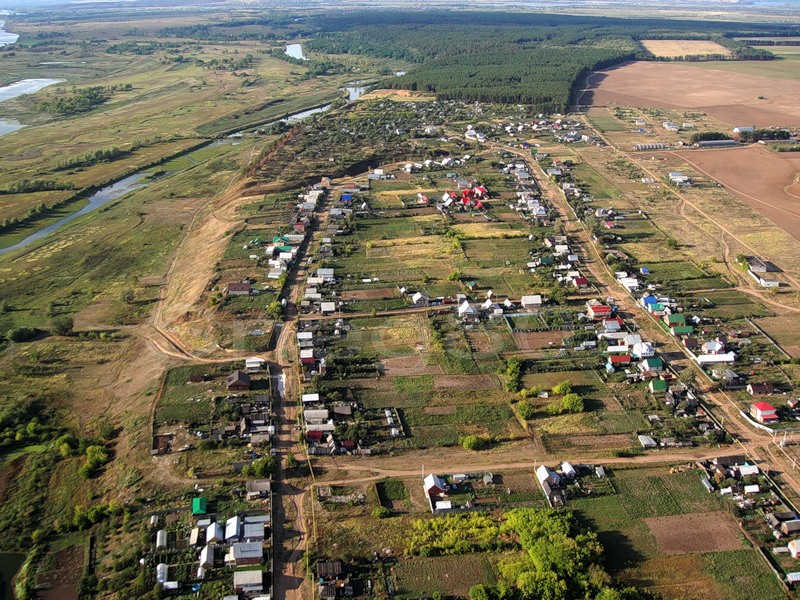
(696, 532)
(446, 575)
(764, 180)
(784, 331)
(389, 337)
(539, 339)
(712, 90)
(732, 305)
(184, 401)
(679, 48)
(654, 494)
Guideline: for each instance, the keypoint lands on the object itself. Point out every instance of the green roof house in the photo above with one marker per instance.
(658, 385)
(199, 506)
(681, 329)
(675, 319)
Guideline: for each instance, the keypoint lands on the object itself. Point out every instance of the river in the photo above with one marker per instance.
(9, 566)
(100, 198)
(295, 51)
(6, 38)
(19, 88)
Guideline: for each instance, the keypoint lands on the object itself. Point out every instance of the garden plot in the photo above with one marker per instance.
(696, 532)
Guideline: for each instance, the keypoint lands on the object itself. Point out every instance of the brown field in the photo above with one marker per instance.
(538, 339)
(408, 366)
(658, 576)
(465, 382)
(766, 181)
(673, 48)
(784, 331)
(373, 294)
(696, 532)
(733, 98)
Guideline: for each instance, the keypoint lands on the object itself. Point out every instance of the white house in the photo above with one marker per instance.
(533, 302)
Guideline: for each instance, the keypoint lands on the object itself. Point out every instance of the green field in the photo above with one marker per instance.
(447, 575)
(785, 68)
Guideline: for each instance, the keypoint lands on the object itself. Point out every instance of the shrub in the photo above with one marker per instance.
(572, 403)
(565, 387)
(526, 410)
(474, 442)
(21, 334)
(62, 325)
(381, 512)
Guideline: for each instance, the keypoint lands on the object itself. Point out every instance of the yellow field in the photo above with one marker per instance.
(675, 48)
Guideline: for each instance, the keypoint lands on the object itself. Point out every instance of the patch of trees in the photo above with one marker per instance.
(512, 371)
(139, 48)
(559, 559)
(28, 186)
(707, 136)
(95, 157)
(262, 467)
(80, 100)
(764, 134)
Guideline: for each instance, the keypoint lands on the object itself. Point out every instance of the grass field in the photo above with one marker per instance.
(447, 575)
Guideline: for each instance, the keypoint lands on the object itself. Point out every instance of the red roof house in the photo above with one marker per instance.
(764, 412)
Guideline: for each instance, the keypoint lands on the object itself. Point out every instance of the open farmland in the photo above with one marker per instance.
(698, 532)
(734, 98)
(447, 575)
(678, 48)
(766, 181)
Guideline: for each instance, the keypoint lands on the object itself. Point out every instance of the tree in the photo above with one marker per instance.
(526, 410)
(572, 403)
(62, 325)
(262, 467)
(275, 309)
(21, 334)
(688, 376)
(291, 461)
(478, 592)
(565, 387)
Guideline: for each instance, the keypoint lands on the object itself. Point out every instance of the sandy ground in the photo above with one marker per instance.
(732, 98)
(696, 532)
(765, 180)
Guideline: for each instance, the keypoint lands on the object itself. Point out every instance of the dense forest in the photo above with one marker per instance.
(537, 59)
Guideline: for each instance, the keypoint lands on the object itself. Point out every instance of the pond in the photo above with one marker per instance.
(9, 566)
(295, 51)
(100, 198)
(7, 126)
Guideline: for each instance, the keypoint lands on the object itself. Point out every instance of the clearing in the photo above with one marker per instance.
(676, 48)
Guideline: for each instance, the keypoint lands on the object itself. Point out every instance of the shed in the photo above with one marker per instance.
(253, 532)
(214, 533)
(329, 569)
(161, 573)
(161, 539)
(207, 556)
(707, 484)
(233, 528)
(753, 489)
(194, 536)
(600, 472)
(199, 506)
(568, 470)
(238, 381)
(647, 442)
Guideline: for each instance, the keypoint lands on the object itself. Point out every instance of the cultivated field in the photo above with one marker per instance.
(697, 532)
(733, 98)
(677, 48)
(766, 181)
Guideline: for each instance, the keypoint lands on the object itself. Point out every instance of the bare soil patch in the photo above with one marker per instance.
(480, 342)
(674, 48)
(761, 178)
(64, 577)
(732, 98)
(538, 339)
(697, 532)
(465, 382)
(374, 294)
(407, 366)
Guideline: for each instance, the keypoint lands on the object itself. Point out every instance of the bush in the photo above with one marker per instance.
(572, 403)
(381, 512)
(62, 325)
(21, 334)
(526, 410)
(263, 467)
(565, 387)
(474, 442)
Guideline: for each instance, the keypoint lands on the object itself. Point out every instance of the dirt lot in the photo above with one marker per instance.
(672, 48)
(538, 339)
(465, 382)
(64, 577)
(765, 180)
(697, 532)
(374, 294)
(408, 366)
(732, 98)
(784, 331)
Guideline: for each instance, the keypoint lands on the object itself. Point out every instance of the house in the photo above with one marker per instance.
(253, 365)
(238, 288)
(612, 325)
(207, 557)
(568, 470)
(327, 308)
(248, 582)
(253, 532)
(657, 386)
(619, 360)
(329, 570)
(764, 412)
(545, 475)
(199, 506)
(420, 299)
(642, 350)
(580, 282)
(794, 548)
(597, 310)
(258, 488)
(760, 389)
(532, 302)
(238, 381)
(434, 485)
(467, 312)
(789, 527)
(716, 346)
(233, 528)
(765, 280)
(245, 554)
(675, 319)
(307, 356)
(651, 365)
(214, 533)
(647, 442)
